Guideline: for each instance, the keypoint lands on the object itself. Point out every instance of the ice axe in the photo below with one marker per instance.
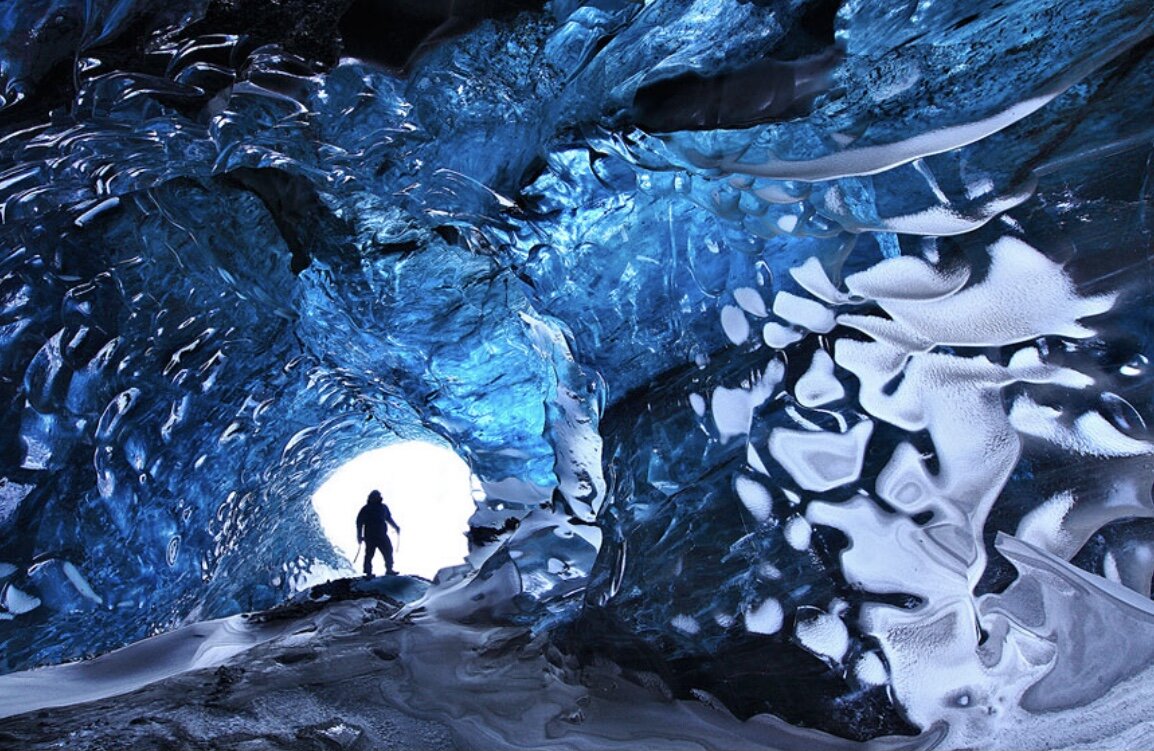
(358, 555)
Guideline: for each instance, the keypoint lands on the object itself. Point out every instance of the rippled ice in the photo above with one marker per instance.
(801, 349)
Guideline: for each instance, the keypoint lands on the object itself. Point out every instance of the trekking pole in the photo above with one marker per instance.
(398, 542)
(358, 555)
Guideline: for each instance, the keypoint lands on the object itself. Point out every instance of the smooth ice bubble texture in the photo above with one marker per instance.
(783, 342)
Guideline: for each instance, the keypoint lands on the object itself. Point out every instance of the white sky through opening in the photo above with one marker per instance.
(428, 489)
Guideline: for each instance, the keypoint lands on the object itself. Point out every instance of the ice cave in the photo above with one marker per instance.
(791, 358)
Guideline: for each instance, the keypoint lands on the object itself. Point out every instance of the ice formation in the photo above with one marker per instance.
(799, 348)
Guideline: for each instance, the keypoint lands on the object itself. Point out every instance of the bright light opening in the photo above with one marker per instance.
(428, 490)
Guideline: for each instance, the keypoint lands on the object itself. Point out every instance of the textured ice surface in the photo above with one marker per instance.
(801, 349)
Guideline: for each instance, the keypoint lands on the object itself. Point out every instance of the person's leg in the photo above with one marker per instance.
(387, 552)
(370, 551)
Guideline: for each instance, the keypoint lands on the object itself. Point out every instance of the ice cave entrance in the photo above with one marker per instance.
(429, 490)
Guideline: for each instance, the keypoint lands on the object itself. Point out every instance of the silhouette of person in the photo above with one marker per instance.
(373, 531)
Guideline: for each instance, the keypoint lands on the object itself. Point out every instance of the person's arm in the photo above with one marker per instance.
(389, 519)
(361, 526)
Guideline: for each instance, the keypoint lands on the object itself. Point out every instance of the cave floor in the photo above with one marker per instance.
(349, 674)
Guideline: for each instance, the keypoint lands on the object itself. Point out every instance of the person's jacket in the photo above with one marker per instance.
(373, 521)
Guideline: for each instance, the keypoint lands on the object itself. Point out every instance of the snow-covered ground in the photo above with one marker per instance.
(347, 672)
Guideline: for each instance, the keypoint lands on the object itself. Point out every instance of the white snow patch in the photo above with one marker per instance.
(754, 459)
(17, 601)
(870, 670)
(821, 461)
(685, 624)
(907, 278)
(754, 497)
(798, 533)
(818, 385)
(194, 647)
(787, 223)
(1023, 295)
(823, 634)
(750, 301)
(767, 570)
(733, 408)
(725, 620)
(813, 279)
(803, 312)
(778, 336)
(766, 618)
(1090, 435)
(735, 324)
(870, 160)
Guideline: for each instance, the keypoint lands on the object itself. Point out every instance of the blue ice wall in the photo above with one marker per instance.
(800, 347)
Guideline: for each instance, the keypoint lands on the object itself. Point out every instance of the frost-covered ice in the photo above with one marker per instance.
(795, 350)
(755, 498)
(765, 618)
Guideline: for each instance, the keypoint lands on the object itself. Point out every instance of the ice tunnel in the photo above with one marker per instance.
(426, 486)
(799, 349)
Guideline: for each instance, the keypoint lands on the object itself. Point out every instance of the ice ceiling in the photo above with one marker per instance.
(801, 347)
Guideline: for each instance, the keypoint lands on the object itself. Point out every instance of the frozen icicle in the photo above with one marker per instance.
(1110, 568)
(868, 160)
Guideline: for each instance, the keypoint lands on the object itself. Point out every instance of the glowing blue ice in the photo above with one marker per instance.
(794, 339)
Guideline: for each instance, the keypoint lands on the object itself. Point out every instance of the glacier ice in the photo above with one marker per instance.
(800, 348)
